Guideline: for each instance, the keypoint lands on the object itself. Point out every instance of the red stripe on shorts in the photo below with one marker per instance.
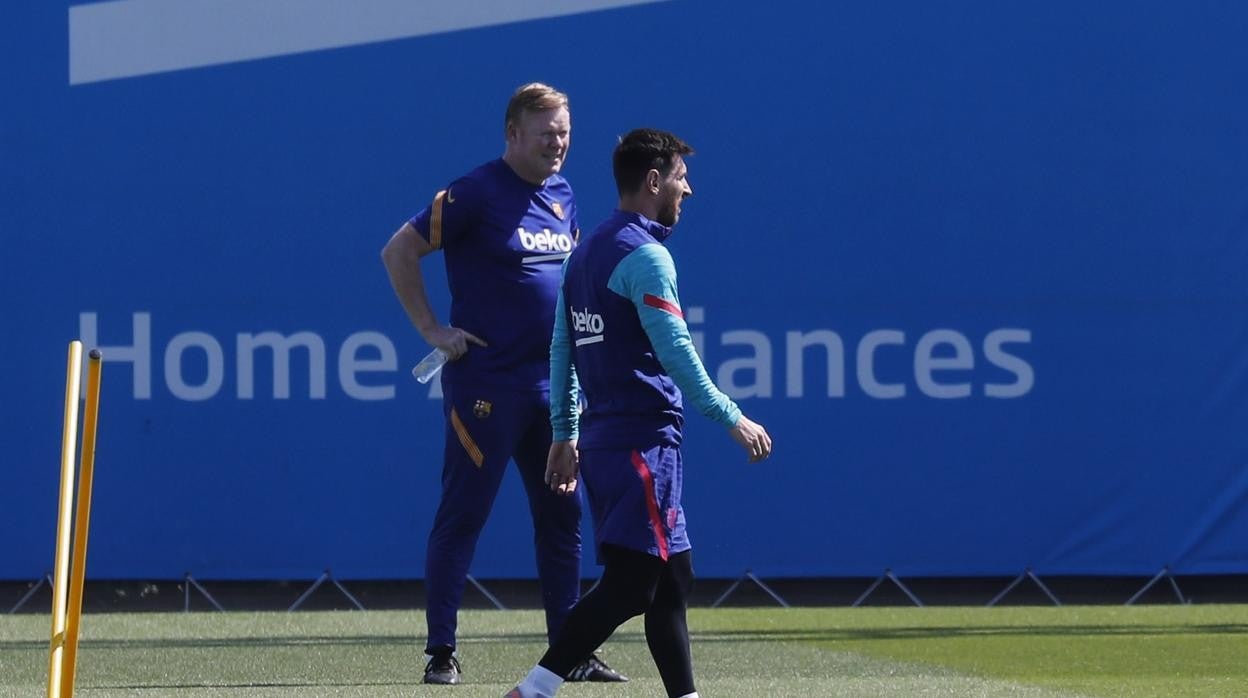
(652, 505)
(662, 304)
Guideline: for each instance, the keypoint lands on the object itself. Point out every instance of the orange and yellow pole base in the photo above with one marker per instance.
(68, 581)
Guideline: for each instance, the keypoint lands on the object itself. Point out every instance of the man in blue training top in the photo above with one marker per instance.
(505, 228)
(620, 330)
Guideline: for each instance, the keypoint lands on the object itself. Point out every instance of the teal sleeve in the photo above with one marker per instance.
(564, 389)
(647, 277)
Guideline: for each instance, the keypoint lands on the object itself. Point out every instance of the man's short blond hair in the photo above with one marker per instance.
(535, 96)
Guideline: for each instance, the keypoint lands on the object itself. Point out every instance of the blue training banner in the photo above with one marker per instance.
(977, 266)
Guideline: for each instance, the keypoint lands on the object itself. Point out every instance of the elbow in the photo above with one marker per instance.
(389, 254)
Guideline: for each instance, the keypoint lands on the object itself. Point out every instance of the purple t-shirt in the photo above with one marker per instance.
(504, 240)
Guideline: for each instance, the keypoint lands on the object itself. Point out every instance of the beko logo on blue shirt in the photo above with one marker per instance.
(544, 240)
(585, 321)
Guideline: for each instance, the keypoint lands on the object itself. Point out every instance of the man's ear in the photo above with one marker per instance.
(653, 178)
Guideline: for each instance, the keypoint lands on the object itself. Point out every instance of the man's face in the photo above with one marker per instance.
(539, 141)
(672, 190)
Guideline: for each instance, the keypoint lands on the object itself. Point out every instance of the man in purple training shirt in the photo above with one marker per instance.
(505, 229)
(621, 332)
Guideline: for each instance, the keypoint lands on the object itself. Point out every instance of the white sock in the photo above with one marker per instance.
(690, 695)
(541, 683)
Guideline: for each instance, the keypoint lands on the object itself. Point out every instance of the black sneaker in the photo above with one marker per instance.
(443, 668)
(594, 669)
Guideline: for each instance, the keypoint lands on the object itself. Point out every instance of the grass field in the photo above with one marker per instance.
(1017, 651)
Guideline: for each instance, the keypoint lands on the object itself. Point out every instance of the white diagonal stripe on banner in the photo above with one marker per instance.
(129, 38)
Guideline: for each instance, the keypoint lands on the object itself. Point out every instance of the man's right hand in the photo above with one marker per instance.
(753, 438)
(452, 340)
(562, 465)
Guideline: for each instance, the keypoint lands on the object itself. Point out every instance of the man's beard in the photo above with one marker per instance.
(668, 214)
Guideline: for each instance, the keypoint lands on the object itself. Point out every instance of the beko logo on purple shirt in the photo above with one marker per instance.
(544, 240)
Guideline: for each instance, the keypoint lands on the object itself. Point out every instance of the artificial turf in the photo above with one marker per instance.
(1016, 651)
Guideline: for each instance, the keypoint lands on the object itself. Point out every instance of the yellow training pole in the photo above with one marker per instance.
(64, 513)
(82, 521)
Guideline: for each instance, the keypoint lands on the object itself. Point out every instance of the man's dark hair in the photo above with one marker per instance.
(642, 150)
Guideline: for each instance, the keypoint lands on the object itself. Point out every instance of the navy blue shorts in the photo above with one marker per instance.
(634, 496)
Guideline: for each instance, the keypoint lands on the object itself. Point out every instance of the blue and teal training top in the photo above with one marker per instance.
(505, 241)
(621, 333)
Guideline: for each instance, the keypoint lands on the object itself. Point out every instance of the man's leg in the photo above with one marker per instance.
(557, 540)
(467, 495)
(556, 523)
(626, 589)
(632, 542)
(667, 630)
(475, 458)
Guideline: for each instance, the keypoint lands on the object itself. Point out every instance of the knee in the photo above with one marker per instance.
(459, 524)
(674, 591)
(633, 605)
(558, 519)
(630, 601)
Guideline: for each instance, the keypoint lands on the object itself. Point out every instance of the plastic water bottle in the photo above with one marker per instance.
(429, 366)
